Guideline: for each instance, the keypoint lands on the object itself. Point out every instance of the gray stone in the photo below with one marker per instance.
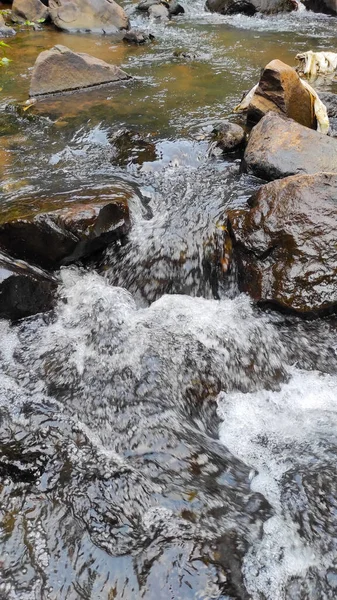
(29, 10)
(97, 16)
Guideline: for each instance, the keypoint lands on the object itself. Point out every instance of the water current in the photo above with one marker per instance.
(161, 437)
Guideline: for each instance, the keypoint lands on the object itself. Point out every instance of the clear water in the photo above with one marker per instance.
(160, 437)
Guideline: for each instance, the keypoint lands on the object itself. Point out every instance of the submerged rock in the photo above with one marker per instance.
(133, 36)
(280, 90)
(51, 236)
(24, 290)
(96, 16)
(279, 147)
(250, 7)
(229, 137)
(60, 69)
(4, 30)
(29, 10)
(286, 244)
(132, 148)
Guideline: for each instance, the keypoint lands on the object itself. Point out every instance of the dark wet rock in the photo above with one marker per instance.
(60, 69)
(175, 8)
(280, 90)
(229, 137)
(159, 11)
(144, 5)
(250, 7)
(96, 16)
(62, 233)
(29, 10)
(321, 6)
(4, 30)
(24, 290)
(330, 101)
(279, 147)
(286, 244)
(131, 147)
(133, 36)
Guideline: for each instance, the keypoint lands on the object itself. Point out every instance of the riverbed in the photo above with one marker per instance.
(161, 437)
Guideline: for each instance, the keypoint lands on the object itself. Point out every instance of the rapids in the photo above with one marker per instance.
(161, 438)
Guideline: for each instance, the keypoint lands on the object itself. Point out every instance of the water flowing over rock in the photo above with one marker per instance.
(24, 289)
(60, 70)
(49, 236)
(280, 90)
(321, 6)
(279, 147)
(29, 10)
(286, 244)
(96, 16)
(250, 7)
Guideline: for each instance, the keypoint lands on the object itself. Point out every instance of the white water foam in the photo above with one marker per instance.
(280, 434)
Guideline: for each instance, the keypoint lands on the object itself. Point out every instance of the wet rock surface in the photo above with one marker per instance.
(321, 6)
(5, 31)
(29, 10)
(50, 236)
(280, 90)
(249, 7)
(97, 16)
(286, 244)
(228, 137)
(24, 289)
(60, 69)
(279, 147)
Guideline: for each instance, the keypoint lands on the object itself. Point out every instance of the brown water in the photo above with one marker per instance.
(160, 437)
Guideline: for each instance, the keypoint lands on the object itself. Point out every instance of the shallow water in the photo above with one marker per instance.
(160, 436)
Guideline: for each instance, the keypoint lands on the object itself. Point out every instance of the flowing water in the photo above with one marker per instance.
(161, 438)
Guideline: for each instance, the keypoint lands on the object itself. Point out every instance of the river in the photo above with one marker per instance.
(161, 438)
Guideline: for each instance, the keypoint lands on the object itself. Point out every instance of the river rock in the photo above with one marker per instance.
(50, 237)
(24, 290)
(29, 10)
(229, 137)
(134, 36)
(96, 16)
(279, 147)
(250, 7)
(60, 69)
(4, 30)
(280, 90)
(159, 11)
(287, 244)
(321, 6)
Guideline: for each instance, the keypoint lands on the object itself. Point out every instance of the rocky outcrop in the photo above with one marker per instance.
(24, 290)
(96, 16)
(279, 147)
(49, 236)
(60, 69)
(4, 30)
(287, 244)
(162, 10)
(321, 6)
(29, 10)
(280, 90)
(228, 137)
(250, 7)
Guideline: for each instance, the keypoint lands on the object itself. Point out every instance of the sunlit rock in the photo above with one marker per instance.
(286, 244)
(29, 10)
(279, 147)
(96, 16)
(313, 63)
(24, 289)
(60, 69)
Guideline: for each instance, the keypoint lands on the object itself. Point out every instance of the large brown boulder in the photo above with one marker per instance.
(29, 10)
(62, 230)
(321, 6)
(60, 69)
(97, 16)
(286, 244)
(250, 7)
(280, 90)
(24, 290)
(279, 147)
